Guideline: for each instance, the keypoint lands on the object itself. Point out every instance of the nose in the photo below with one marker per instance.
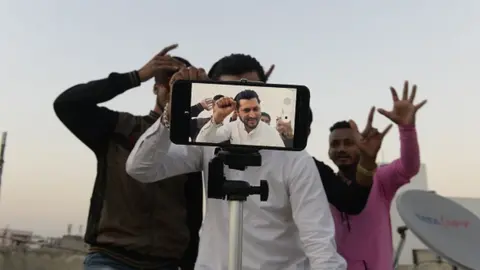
(251, 114)
(340, 148)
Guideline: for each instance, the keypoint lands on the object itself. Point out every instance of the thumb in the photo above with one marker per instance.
(385, 113)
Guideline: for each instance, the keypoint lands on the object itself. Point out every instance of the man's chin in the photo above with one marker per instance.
(345, 166)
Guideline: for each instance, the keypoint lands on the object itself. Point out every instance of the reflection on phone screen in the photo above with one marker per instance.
(245, 115)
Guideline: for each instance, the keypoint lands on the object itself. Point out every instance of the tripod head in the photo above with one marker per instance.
(234, 190)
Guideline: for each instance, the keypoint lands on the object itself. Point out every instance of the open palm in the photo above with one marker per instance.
(403, 111)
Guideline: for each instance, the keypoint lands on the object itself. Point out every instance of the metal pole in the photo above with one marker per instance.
(235, 236)
(2, 155)
(398, 252)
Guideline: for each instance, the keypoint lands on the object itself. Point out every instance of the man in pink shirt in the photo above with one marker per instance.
(365, 240)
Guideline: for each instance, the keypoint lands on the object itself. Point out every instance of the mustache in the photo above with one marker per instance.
(342, 155)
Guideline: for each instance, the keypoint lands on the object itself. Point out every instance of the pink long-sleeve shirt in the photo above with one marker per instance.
(365, 240)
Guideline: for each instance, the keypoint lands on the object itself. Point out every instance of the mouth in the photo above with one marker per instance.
(343, 159)
(251, 121)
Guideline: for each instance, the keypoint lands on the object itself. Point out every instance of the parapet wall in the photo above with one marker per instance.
(40, 259)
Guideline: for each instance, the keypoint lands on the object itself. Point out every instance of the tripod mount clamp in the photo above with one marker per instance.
(234, 190)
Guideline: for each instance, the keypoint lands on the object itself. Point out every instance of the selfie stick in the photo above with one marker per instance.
(402, 231)
(235, 192)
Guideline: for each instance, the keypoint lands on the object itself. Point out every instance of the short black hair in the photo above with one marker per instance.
(217, 97)
(340, 125)
(310, 118)
(266, 115)
(246, 94)
(236, 64)
(184, 61)
(164, 79)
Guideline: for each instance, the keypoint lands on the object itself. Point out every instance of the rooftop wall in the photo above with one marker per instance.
(40, 259)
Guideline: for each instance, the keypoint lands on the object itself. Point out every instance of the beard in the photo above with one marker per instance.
(250, 123)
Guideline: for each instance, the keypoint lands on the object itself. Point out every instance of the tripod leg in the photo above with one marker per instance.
(398, 252)
(235, 236)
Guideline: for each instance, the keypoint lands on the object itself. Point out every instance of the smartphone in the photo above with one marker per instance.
(247, 130)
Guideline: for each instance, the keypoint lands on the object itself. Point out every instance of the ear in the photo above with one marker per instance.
(155, 89)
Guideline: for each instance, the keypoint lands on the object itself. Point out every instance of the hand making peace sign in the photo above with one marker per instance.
(369, 140)
(403, 112)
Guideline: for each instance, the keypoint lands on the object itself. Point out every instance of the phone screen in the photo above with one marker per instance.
(252, 117)
(240, 114)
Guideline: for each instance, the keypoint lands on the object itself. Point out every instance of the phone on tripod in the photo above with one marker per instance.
(236, 115)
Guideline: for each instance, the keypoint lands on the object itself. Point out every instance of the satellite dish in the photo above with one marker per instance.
(447, 228)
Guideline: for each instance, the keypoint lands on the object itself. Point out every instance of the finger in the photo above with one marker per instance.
(386, 130)
(357, 136)
(369, 120)
(354, 127)
(413, 94)
(405, 91)
(420, 105)
(202, 74)
(164, 60)
(167, 49)
(394, 94)
(177, 62)
(269, 71)
(165, 68)
(385, 113)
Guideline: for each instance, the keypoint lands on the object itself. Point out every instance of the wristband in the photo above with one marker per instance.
(365, 171)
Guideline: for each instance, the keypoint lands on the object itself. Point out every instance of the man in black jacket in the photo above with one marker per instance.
(132, 225)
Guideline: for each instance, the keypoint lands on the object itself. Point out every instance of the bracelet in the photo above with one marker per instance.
(164, 121)
(365, 171)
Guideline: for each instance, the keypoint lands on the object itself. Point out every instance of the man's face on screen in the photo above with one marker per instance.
(251, 76)
(249, 112)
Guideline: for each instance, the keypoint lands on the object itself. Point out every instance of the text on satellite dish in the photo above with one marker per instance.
(445, 222)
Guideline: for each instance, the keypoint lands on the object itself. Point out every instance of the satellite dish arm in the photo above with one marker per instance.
(402, 230)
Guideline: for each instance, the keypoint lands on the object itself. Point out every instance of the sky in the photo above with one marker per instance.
(347, 52)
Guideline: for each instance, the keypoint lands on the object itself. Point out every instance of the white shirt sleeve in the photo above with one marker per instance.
(214, 133)
(155, 157)
(311, 213)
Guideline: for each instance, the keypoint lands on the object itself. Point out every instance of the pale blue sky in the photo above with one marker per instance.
(347, 52)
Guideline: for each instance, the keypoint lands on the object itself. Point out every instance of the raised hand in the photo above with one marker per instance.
(285, 128)
(225, 106)
(207, 104)
(160, 64)
(189, 74)
(403, 112)
(269, 72)
(185, 73)
(370, 139)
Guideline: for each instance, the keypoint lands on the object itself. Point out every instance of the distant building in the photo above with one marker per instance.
(12, 237)
(73, 243)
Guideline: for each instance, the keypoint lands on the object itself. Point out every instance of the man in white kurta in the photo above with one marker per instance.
(292, 230)
(235, 132)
